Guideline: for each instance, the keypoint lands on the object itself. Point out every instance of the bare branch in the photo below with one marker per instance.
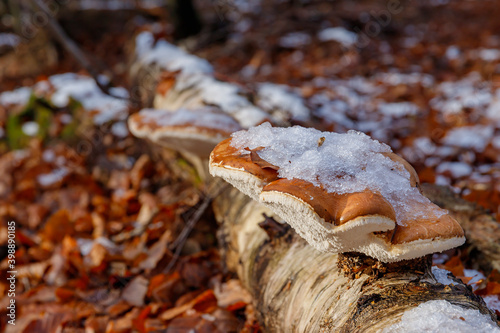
(72, 47)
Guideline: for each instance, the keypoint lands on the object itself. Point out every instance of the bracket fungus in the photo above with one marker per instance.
(193, 133)
(341, 192)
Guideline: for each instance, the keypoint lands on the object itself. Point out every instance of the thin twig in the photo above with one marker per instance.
(214, 190)
(71, 46)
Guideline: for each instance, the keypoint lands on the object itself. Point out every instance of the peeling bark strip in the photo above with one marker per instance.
(298, 289)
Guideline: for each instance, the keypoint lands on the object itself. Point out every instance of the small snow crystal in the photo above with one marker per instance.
(344, 163)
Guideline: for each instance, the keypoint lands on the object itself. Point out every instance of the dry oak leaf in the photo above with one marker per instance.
(254, 156)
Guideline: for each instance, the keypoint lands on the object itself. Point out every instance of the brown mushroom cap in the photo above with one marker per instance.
(334, 208)
(239, 170)
(226, 156)
(193, 131)
(306, 207)
(432, 227)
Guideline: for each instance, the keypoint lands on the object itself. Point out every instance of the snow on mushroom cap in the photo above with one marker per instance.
(343, 163)
(205, 118)
(194, 131)
(340, 192)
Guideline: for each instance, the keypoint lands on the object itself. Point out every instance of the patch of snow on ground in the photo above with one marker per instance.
(455, 169)
(338, 34)
(493, 111)
(336, 112)
(452, 52)
(18, 96)
(350, 104)
(30, 128)
(496, 142)
(493, 302)
(443, 317)
(48, 155)
(398, 110)
(9, 39)
(425, 145)
(53, 177)
(85, 90)
(295, 39)
(395, 78)
(61, 88)
(469, 137)
(476, 277)
(281, 97)
(470, 92)
(489, 54)
(119, 129)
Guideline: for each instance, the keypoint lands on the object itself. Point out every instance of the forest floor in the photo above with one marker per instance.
(99, 215)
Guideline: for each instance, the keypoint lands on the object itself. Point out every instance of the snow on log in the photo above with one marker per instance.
(169, 79)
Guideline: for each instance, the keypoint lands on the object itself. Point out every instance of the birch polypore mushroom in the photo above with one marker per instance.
(193, 133)
(341, 192)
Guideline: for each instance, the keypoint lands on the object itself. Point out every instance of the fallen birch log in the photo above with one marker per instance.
(298, 289)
